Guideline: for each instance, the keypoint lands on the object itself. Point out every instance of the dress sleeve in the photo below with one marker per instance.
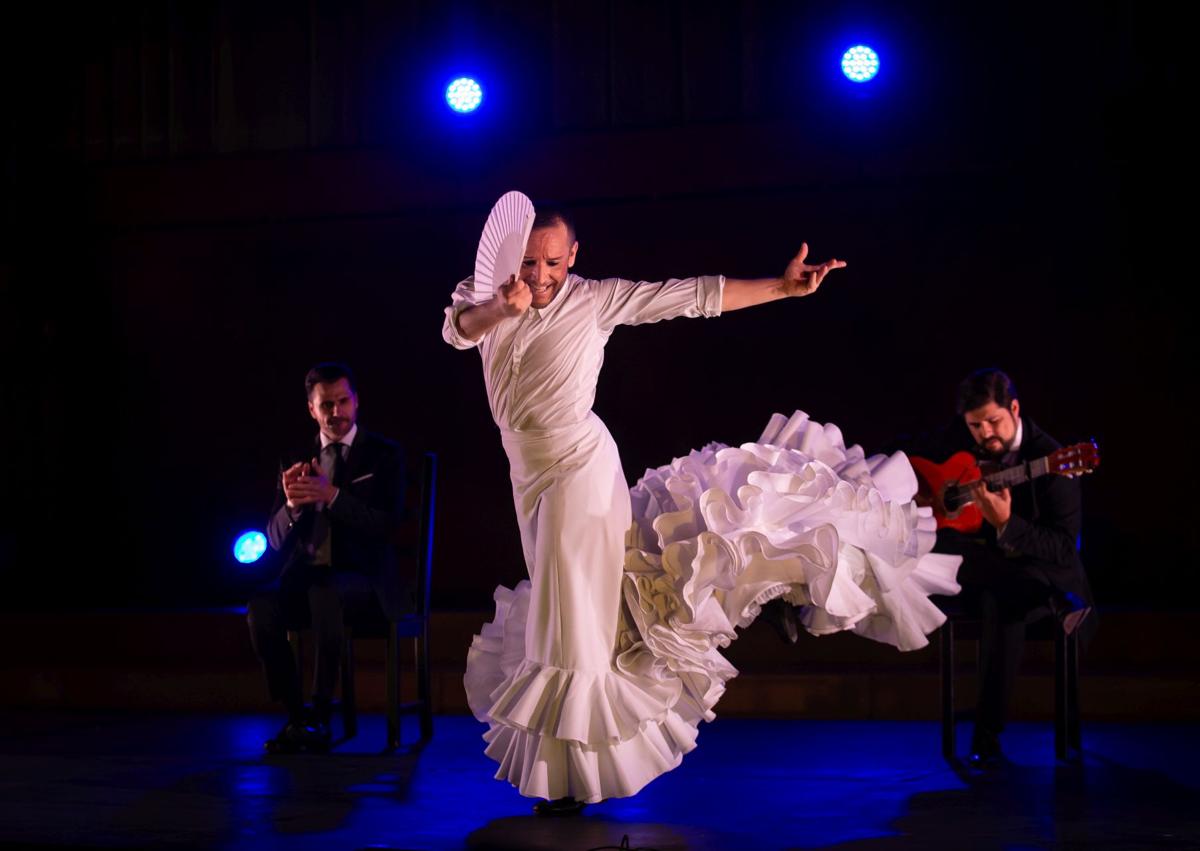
(464, 296)
(622, 302)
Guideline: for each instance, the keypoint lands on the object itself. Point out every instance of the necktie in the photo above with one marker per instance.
(334, 465)
(331, 466)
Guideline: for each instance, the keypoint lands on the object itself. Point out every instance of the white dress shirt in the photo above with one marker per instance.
(541, 367)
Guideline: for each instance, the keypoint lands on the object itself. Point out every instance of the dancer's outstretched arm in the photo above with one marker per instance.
(799, 279)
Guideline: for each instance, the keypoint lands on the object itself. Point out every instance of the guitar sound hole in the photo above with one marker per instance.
(954, 499)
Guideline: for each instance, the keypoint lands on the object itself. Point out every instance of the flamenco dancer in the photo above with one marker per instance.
(597, 671)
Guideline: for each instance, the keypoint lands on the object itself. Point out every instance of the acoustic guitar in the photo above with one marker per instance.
(949, 488)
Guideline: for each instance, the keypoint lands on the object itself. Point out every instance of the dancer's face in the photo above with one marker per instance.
(334, 406)
(549, 254)
(993, 427)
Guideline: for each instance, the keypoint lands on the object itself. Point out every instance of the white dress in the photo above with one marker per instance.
(595, 673)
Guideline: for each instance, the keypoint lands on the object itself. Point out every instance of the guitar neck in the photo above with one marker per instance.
(1019, 474)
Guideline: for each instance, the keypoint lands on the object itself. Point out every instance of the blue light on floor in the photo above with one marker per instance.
(249, 547)
(202, 780)
(860, 64)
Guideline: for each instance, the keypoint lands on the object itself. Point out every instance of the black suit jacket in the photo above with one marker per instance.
(364, 521)
(1046, 522)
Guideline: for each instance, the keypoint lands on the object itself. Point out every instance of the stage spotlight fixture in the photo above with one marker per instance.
(249, 547)
(860, 64)
(464, 95)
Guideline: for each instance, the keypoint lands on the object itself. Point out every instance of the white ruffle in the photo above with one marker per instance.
(555, 732)
(715, 535)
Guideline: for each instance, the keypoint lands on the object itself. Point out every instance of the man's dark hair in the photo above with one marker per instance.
(549, 216)
(983, 386)
(327, 373)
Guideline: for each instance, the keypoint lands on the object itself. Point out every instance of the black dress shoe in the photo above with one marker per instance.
(781, 615)
(985, 750)
(300, 737)
(287, 740)
(559, 807)
(316, 737)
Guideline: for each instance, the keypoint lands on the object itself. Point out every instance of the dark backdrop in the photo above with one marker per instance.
(202, 199)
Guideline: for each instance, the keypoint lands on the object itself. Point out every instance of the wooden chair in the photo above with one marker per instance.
(413, 626)
(1067, 739)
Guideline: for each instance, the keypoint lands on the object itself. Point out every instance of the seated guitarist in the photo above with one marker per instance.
(1025, 558)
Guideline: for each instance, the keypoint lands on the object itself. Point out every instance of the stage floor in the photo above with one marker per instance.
(91, 779)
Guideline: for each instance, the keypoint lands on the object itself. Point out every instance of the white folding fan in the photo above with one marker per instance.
(502, 244)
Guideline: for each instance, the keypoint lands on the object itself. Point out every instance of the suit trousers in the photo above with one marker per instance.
(308, 596)
(1005, 593)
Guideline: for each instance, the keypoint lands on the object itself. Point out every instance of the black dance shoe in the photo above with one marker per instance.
(781, 615)
(559, 807)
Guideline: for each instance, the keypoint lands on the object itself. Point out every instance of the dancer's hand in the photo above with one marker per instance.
(801, 279)
(514, 297)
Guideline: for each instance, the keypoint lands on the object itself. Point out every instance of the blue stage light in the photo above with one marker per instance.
(464, 95)
(249, 547)
(860, 63)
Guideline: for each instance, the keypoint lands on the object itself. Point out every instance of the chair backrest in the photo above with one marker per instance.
(425, 527)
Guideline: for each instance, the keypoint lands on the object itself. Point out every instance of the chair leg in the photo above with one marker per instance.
(946, 639)
(1061, 697)
(1074, 736)
(393, 688)
(424, 697)
(349, 707)
(296, 641)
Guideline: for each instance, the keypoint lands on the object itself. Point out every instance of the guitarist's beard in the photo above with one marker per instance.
(995, 448)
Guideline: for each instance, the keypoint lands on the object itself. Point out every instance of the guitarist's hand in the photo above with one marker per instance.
(996, 508)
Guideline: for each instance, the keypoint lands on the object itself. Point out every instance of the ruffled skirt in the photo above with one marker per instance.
(595, 673)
